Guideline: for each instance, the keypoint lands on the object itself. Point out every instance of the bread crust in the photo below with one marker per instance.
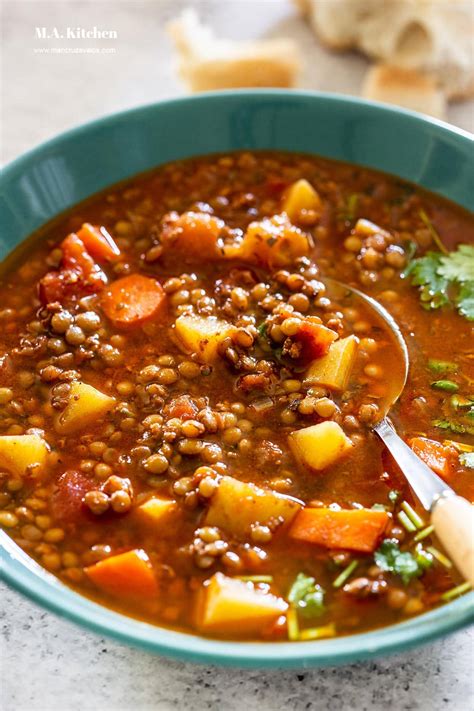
(435, 37)
(404, 87)
(207, 62)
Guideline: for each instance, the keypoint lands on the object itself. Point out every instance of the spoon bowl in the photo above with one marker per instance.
(344, 293)
(452, 516)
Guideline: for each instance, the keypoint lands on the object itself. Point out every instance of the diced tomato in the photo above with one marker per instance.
(98, 242)
(182, 407)
(276, 186)
(315, 340)
(78, 275)
(254, 381)
(132, 300)
(67, 504)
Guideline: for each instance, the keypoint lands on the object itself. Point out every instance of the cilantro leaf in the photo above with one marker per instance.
(307, 596)
(459, 265)
(465, 300)
(467, 460)
(423, 272)
(445, 279)
(408, 566)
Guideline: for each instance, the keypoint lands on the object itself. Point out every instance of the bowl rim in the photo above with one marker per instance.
(23, 574)
(334, 97)
(26, 576)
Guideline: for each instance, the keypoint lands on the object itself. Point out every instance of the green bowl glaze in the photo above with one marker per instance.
(62, 172)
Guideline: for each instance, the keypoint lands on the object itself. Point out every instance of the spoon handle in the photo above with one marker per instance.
(451, 515)
(427, 485)
(453, 521)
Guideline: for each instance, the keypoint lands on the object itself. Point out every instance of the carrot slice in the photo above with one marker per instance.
(355, 529)
(435, 454)
(99, 243)
(127, 575)
(132, 300)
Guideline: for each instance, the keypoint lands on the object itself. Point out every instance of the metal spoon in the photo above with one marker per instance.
(452, 516)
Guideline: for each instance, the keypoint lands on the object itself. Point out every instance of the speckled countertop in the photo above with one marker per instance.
(48, 664)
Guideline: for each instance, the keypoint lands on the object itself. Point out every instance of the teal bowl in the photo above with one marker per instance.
(62, 172)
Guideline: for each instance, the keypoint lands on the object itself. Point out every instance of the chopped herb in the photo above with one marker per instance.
(393, 496)
(412, 515)
(434, 233)
(407, 524)
(421, 535)
(448, 385)
(455, 592)
(455, 427)
(423, 557)
(467, 460)
(346, 573)
(378, 507)
(306, 596)
(459, 402)
(352, 201)
(347, 211)
(441, 366)
(262, 330)
(318, 632)
(292, 624)
(256, 578)
(389, 557)
(445, 279)
(410, 247)
(440, 557)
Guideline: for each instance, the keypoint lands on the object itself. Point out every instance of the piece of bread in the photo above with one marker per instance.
(431, 36)
(207, 62)
(404, 87)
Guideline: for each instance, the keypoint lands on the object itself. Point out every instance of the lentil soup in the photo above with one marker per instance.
(185, 405)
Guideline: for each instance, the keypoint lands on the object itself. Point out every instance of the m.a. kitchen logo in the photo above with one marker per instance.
(74, 33)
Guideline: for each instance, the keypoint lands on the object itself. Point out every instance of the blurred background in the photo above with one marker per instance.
(44, 92)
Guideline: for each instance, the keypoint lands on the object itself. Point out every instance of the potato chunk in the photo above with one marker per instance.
(23, 454)
(236, 505)
(272, 242)
(85, 406)
(333, 370)
(202, 335)
(156, 512)
(228, 605)
(196, 235)
(319, 446)
(301, 196)
(366, 228)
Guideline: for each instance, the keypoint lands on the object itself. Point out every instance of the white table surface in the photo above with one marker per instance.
(47, 664)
